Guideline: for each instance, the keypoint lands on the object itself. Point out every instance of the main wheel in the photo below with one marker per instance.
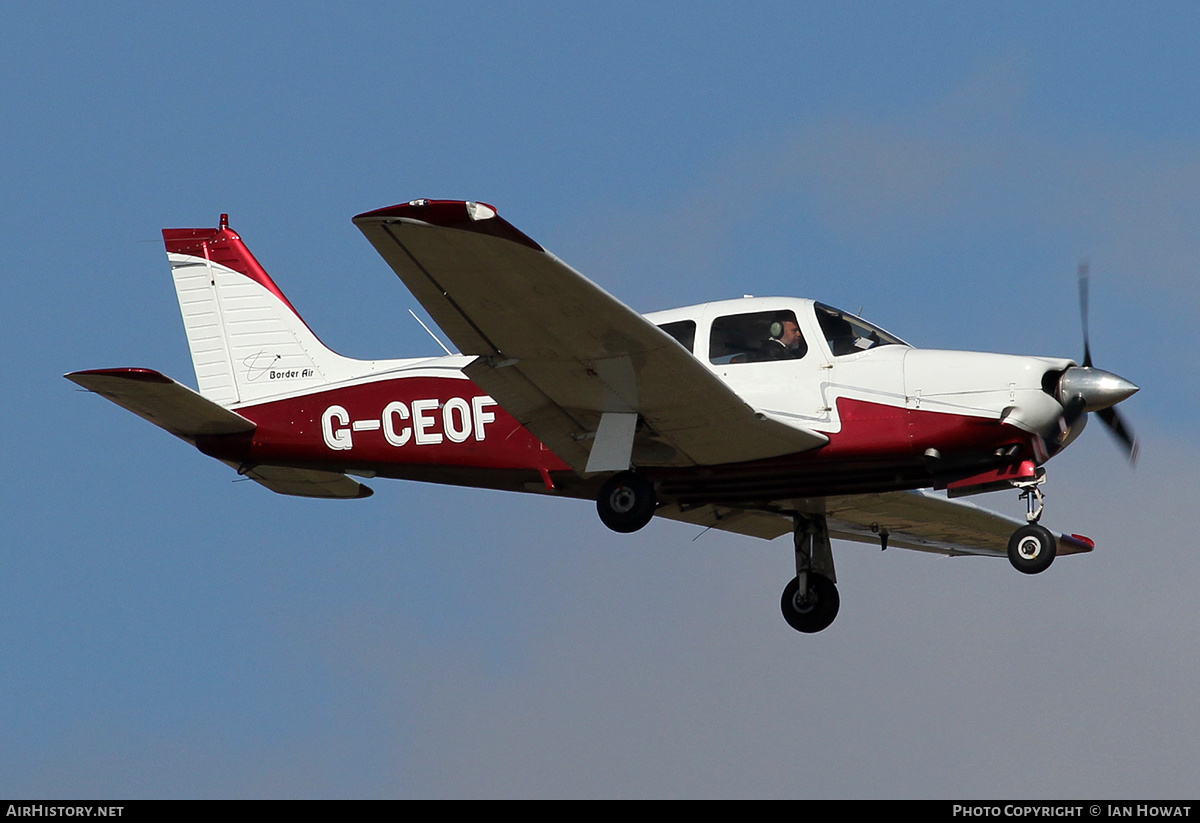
(626, 502)
(817, 611)
(1031, 549)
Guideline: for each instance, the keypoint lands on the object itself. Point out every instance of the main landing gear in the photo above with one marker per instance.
(626, 502)
(810, 602)
(1032, 548)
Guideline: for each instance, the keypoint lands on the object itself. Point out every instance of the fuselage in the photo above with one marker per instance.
(897, 417)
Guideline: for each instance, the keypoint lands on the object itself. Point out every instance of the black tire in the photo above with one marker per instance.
(626, 502)
(1031, 549)
(818, 612)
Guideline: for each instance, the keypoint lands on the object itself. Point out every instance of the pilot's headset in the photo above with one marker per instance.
(777, 329)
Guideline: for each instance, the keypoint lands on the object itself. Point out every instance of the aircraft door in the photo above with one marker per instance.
(768, 356)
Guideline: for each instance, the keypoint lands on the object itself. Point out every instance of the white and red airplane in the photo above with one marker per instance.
(760, 416)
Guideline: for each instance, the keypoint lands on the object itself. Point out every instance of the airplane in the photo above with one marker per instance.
(758, 416)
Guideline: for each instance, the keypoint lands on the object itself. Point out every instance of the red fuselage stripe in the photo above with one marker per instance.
(446, 422)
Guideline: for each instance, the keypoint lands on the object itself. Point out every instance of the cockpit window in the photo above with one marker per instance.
(756, 337)
(684, 332)
(848, 334)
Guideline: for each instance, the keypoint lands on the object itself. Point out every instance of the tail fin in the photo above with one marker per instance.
(248, 342)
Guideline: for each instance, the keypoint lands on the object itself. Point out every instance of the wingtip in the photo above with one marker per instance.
(1075, 544)
(467, 215)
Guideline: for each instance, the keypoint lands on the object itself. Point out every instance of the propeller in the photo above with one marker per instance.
(1085, 388)
(1085, 278)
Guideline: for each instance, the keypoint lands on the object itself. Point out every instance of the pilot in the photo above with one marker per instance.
(785, 343)
(841, 335)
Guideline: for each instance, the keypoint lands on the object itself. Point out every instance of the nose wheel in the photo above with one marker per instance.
(1031, 549)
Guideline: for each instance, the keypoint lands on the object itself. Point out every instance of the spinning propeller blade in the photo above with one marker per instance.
(1084, 388)
(1084, 277)
(1116, 425)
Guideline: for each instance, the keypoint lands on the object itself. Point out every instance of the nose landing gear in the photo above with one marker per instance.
(1032, 548)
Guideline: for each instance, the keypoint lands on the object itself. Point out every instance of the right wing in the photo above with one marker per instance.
(570, 362)
(918, 520)
(929, 522)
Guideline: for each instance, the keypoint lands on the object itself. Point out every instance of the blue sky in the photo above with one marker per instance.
(169, 632)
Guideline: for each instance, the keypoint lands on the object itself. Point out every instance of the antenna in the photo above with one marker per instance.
(431, 334)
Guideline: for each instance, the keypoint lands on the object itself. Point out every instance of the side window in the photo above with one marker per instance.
(684, 332)
(756, 337)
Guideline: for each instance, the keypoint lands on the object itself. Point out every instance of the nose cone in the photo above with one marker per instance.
(1098, 388)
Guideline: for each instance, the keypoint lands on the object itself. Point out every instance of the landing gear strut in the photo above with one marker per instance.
(810, 602)
(1032, 548)
(626, 502)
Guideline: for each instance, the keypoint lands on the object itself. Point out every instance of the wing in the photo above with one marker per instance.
(587, 375)
(926, 521)
(912, 520)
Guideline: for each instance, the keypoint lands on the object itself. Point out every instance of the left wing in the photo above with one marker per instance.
(574, 365)
(912, 520)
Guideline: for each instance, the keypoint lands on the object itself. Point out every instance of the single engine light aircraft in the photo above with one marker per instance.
(759, 416)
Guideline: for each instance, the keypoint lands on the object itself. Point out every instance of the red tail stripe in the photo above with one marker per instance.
(224, 246)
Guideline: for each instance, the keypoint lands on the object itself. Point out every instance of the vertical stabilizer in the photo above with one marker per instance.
(247, 341)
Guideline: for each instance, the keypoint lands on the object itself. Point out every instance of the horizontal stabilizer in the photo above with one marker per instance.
(184, 413)
(162, 401)
(306, 482)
